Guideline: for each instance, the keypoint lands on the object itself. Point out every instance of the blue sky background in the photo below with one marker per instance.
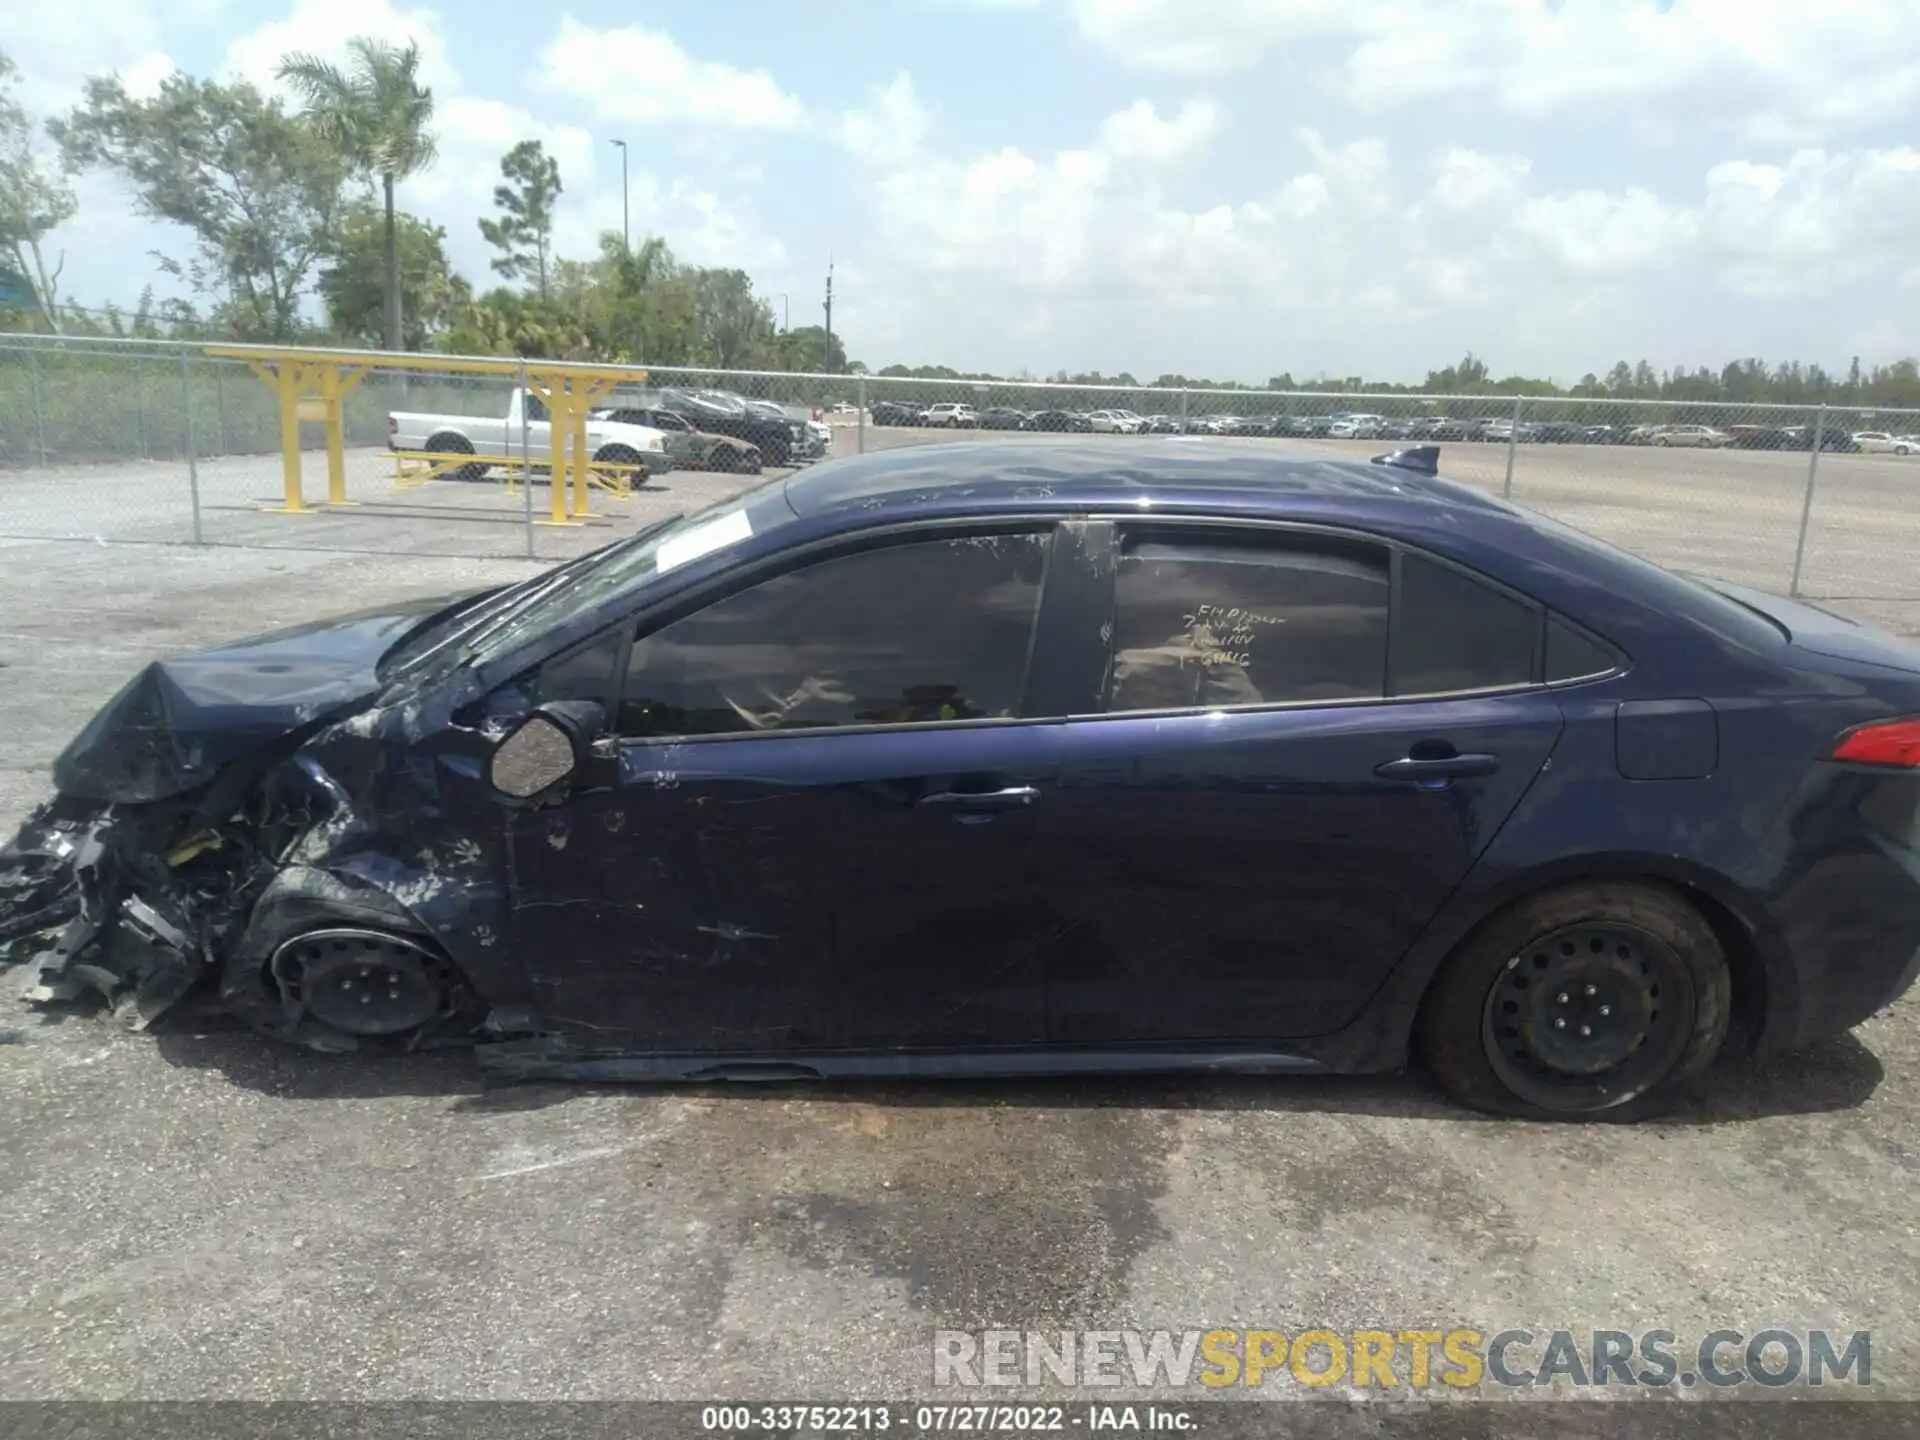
(1231, 188)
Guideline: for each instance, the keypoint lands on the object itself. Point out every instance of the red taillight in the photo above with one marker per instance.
(1887, 742)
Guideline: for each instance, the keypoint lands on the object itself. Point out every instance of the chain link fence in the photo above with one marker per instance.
(150, 441)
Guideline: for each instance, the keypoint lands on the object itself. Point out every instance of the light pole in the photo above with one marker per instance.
(626, 231)
(786, 312)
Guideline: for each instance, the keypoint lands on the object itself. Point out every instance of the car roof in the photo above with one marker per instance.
(1034, 475)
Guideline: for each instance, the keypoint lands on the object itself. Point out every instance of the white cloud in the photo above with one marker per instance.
(1772, 69)
(893, 126)
(1594, 232)
(56, 46)
(323, 27)
(1138, 132)
(643, 77)
(1819, 221)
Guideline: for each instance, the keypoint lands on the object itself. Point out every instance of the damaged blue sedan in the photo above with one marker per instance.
(1021, 758)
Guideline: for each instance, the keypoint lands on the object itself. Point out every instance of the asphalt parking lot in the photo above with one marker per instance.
(200, 1213)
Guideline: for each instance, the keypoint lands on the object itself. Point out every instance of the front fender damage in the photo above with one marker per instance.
(141, 905)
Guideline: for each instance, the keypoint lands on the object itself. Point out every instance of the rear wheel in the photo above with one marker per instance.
(457, 445)
(625, 455)
(1595, 1002)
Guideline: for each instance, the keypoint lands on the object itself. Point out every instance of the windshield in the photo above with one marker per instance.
(501, 623)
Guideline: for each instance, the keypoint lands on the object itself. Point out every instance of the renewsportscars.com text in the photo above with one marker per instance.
(1408, 1359)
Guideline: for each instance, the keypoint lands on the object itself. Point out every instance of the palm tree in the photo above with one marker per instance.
(375, 113)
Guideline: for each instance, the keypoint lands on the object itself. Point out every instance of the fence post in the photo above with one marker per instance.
(220, 405)
(39, 418)
(140, 405)
(193, 458)
(526, 466)
(1806, 501)
(860, 420)
(1513, 446)
(1183, 409)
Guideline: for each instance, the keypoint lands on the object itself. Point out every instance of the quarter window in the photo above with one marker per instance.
(909, 634)
(1227, 621)
(1571, 655)
(1451, 632)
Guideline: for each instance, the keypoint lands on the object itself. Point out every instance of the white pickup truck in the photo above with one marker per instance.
(607, 440)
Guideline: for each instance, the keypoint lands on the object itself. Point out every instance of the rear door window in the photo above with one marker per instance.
(1203, 620)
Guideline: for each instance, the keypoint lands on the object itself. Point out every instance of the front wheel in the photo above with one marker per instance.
(1599, 1001)
(456, 445)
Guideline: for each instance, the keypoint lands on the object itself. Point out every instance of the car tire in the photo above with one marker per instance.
(1638, 954)
(625, 455)
(456, 445)
(1903, 449)
(776, 450)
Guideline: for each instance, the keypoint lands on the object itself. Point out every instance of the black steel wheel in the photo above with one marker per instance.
(1598, 1001)
(368, 983)
(457, 445)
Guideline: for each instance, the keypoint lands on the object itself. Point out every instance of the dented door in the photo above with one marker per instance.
(787, 893)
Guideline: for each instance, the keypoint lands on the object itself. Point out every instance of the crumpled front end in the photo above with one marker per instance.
(291, 906)
(127, 902)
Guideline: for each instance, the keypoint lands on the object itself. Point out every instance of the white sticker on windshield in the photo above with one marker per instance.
(716, 534)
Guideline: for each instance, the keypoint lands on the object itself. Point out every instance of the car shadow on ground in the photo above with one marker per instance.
(1833, 1075)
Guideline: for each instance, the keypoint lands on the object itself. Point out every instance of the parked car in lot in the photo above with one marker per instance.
(763, 425)
(1311, 427)
(1061, 420)
(951, 417)
(525, 429)
(804, 440)
(1115, 422)
(691, 449)
(1497, 798)
(1880, 442)
(1001, 417)
(897, 412)
(1247, 425)
(1164, 425)
(1502, 430)
(1558, 432)
(1405, 427)
(1356, 426)
(1201, 425)
(1697, 436)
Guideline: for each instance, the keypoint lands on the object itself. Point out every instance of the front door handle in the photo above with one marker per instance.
(1015, 797)
(1437, 767)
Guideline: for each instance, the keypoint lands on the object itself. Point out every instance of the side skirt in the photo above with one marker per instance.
(543, 1060)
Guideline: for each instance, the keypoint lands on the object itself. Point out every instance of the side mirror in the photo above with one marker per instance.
(544, 751)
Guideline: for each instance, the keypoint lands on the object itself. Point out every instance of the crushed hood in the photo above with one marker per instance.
(178, 722)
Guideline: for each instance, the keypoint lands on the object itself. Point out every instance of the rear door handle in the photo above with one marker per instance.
(1015, 797)
(1438, 767)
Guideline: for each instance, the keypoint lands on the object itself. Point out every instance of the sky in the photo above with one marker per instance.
(1222, 188)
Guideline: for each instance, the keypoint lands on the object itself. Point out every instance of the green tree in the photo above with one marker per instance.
(734, 327)
(375, 115)
(35, 199)
(524, 232)
(353, 286)
(811, 350)
(256, 190)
